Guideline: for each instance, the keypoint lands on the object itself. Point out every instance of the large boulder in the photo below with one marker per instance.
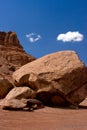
(21, 92)
(57, 78)
(5, 87)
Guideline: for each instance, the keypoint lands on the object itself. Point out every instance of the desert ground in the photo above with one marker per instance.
(47, 118)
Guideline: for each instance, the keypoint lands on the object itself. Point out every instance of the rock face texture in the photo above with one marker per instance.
(23, 104)
(12, 51)
(5, 87)
(59, 78)
(12, 55)
(12, 104)
(6, 68)
(21, 92)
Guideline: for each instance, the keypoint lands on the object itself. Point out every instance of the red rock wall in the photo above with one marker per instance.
(11, 49)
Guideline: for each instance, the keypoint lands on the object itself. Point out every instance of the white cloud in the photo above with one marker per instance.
(33, 37)
(70, 37)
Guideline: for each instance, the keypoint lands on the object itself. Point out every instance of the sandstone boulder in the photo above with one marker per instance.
(57, 78)
(5, 87)
(12, 104)
(21, 92)
(33, 103)
(23, 104)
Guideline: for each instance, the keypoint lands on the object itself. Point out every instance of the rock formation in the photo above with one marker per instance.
(23, 104)
(12, 55)
(6, 68)
(59, 78)
(55, 79)
(5, 87)
(12, 51)
(21, 92)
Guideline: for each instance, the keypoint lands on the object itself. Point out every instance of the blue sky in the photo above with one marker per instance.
(47, 26)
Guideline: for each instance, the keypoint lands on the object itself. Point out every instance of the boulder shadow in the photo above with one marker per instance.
(82, 107)
(71, 107)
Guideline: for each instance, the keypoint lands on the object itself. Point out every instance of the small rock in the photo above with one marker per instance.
(33, 103)
(23, 104)
(21, 92)
(12, 104)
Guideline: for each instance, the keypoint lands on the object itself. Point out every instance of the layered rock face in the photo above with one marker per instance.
(6, 68)
(5, 87)
(12, 51)
(59, 78)
(12, 55)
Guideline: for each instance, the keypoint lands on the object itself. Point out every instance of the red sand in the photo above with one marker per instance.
(45, 119)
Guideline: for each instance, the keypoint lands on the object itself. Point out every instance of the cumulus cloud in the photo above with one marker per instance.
(70, 37)
(33, 37)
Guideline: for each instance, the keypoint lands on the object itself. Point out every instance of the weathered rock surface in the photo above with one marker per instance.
(12, 51)
(24, 104)
(33, 103)
(78, 95)
(5, 87)
(6, 69)
(21, 92)
(12, 104)
(12, 55)
(57, 78)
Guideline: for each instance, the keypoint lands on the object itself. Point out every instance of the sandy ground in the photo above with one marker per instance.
(45, 119)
